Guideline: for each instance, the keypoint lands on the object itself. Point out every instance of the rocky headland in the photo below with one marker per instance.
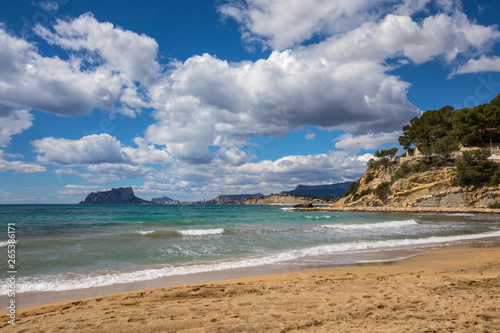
(288, 200)
(120, 196)
(435, 190)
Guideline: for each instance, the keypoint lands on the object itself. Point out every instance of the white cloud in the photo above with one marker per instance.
(120, 170)
(284, 23)
(189, 182)
(97, 149)
(12, 123)
(396, 36)
(92, 149)
(281, 24)
(18, 166)
(123, 50)
(233, 156)
(483, 64)
(310, 136)
(72, 190)
(207, 101)
(355, 144)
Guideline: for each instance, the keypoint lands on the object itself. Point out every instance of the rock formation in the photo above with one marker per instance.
(232, 198)
(285, 200)
(430, 189)
(333, 190)
(121, 195)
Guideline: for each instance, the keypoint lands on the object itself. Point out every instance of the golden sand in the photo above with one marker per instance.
(447, 290)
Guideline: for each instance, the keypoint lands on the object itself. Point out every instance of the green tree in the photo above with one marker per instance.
(432, 132)
(474, 168)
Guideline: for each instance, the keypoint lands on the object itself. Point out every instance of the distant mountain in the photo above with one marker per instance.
(333, 190)
(121, 195)
(232, 198)
(163, 199)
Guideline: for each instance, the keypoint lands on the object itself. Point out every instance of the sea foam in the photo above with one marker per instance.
(201, 232)
(368, 226)
(60, 282)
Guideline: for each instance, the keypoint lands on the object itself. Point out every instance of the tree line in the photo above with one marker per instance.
(438, 133)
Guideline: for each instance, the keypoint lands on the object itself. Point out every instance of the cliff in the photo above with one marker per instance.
(232, 199)
(419, 191)
(121, 195)
(285, 200)
(333, 190)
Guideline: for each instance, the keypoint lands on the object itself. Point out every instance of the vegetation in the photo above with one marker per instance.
(440, 132)
(384, 158)
(475, 169)
(352, 189)
(437, 134)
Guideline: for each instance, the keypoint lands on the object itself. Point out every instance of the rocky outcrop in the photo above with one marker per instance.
(233, 199)
(333, 190)
(121, 195)
(284, 200)
(420, 191)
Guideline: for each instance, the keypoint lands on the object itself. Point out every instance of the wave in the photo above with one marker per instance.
(201, 232)
(60, 282)
(321, 217)
(144, 232)
(369, 226)
(3, 244)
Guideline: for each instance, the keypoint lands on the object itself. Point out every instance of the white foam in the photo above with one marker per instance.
(368, 226)
(57, 283)
(144, 232)
(320, 217)
(287, 209)
(201, 232)
(4, 244)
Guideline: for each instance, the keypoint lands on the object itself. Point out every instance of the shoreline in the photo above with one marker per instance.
(346, 298)
(385, 209)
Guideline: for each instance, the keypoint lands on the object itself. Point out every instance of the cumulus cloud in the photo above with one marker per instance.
(355, 144)
(207, 101)
(18, 166)
(97, 149)
(281, 24)
(483, 64)
(13, 122)
(122, 50)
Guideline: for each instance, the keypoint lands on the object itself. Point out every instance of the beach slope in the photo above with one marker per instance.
(447, 290)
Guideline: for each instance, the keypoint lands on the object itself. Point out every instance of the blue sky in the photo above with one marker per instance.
(192, 99)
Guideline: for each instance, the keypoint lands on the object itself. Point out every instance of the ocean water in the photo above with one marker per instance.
(67, 247)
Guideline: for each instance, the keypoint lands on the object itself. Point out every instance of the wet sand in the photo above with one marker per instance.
(446, 290)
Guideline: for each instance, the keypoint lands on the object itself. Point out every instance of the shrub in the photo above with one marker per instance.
(403, 171)
(352, 189)
(475, 169)
(382, 189)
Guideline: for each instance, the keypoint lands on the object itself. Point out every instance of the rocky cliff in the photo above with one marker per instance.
(121, 195)
(232, 199)
(284, 200)
(430, 189)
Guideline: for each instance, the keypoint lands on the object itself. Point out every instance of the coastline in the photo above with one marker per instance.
(455, 288)
(386, 209)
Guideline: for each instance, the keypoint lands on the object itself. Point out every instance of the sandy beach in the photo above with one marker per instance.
(445, 290)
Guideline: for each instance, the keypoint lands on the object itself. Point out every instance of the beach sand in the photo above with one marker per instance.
(445, 290)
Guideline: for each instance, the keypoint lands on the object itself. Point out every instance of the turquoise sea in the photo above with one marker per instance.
(66, 247)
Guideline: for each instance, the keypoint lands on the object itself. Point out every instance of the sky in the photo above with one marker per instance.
(196, 98)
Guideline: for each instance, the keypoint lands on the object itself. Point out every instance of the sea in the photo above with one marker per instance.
(69, 247)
